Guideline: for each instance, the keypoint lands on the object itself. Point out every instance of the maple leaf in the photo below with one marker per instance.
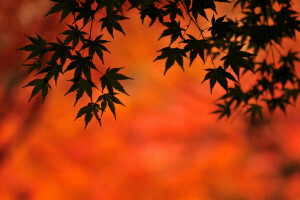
(61, 51)
(85, 12)
(39, 84)
(153, 13)
(254, 110)
(110, 22)
(110, 5)
(291, 93)
(63, 6)
(81, 65)
(224, 110)
(37, 47)
(96, 46)
(195, 47)
(283, 74)
(110, 80)
(218, 75)
(172, 55)
(89, 111)
(290, 58)
(172, 9)
(220, 28)
(74, 35)
(236, 94)
(36, 65)
(81, 86)
(236, 59)
(52, 69)
(264, 68)
(109, 99)
(173, 29)
(280, 102)
(199, 7)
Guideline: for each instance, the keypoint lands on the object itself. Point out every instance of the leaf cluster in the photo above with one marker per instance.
(235, 43)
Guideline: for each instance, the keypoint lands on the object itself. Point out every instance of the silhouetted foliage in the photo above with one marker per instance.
(236, 42)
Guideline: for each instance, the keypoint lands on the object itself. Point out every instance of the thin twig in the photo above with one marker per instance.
(91, 29)
(200, 30)
(185, 32)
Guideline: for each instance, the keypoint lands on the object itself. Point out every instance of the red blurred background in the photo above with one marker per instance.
(165, 143)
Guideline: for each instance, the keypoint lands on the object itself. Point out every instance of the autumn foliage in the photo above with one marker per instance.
(165, 143)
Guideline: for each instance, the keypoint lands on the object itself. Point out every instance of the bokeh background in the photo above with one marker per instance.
(164, 145)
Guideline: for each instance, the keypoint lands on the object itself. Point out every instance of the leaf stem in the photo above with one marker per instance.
(91, 29)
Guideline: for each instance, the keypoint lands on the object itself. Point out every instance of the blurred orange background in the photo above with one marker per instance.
(164, 145)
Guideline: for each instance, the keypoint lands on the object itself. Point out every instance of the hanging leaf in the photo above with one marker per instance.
(89, 111)
(195, 47)
(96, 46)
(218, 75)
(172, 55)
(236, 59)
(37, 47)
(64, 6)
(110, 80)
(110, 22)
